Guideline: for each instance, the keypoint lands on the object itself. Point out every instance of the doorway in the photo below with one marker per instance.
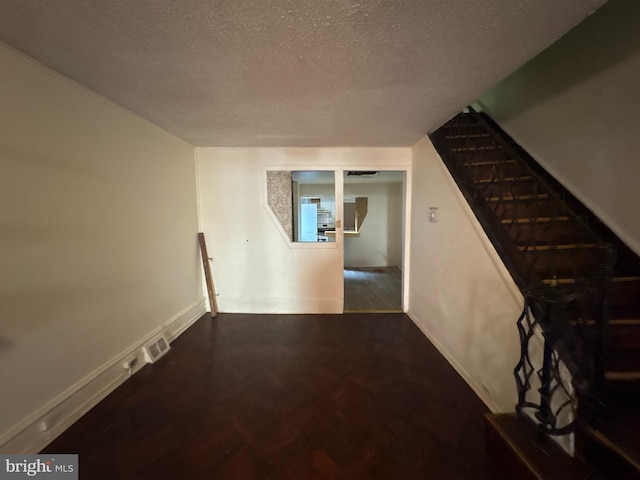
(373, 240)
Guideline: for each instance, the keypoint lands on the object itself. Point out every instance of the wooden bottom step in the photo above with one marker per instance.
(524, 454)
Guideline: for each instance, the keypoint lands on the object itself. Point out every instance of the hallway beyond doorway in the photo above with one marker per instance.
(374, 289)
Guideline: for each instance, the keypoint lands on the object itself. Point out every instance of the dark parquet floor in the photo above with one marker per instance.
(288, 397)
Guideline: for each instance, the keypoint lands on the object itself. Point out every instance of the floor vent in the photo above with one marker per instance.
(156, 349)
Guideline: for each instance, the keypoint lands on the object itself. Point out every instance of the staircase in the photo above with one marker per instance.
(581, 286)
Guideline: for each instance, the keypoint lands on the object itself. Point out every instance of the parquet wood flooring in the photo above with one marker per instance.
(288, 397)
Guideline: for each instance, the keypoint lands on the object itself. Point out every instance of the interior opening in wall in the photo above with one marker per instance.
(303, 202)
(313, 206)
(373, 240)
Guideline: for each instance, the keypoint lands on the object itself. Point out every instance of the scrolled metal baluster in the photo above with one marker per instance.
(551, 302)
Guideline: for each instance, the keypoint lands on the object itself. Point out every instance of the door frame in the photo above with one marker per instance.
(406, 220)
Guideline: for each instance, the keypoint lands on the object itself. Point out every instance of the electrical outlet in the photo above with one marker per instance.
(130, 364)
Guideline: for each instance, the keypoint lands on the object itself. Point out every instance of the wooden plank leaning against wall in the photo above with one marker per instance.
(207, 275)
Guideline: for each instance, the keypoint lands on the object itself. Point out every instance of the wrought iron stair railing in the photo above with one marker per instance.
(558, 259)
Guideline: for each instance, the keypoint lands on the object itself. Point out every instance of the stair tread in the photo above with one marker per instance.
(543, 201)
(554, 276)
(624, 322)
(615, 375)
(627, 278)
(560, 246)
(570, 281)
(523, 178)
(467, 135)
(559, 281)
(476, 148)
(527, 196)
(488, 163)
(564, 280)
(534, 220)
(615, 323)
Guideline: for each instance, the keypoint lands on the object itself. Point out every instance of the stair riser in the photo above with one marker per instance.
(624, 337)
(480, 156)
(508, 189)
(496, 171)
(625, 294)
(628, 262)
(551, 233)
(563, 263)
(623, 361)
(472, 142)
(621, 338)
(531, 209)
(452, 130)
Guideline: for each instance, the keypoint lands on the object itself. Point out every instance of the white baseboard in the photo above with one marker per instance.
(280, 305)
(176, 325)
(488, 401)
(37, 430)
(566, 442)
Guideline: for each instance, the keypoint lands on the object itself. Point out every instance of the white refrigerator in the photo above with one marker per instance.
(308, 222)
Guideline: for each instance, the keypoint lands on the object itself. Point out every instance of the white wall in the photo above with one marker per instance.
(461, 295)
(256, 269)
(575, 109)
(379, 243)
(98, 246)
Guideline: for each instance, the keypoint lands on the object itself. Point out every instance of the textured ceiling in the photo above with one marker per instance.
(289, 73)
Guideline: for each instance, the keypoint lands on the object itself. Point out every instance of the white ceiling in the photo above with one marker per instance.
(289, 72)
